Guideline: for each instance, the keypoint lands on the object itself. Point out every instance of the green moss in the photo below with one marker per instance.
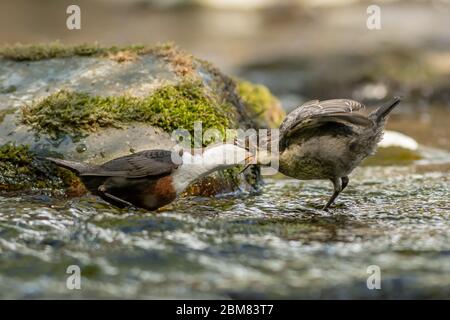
(261, 104)
(256, 96)
(19, 155)
(21, 169)
(392, 156)
(181, 62)
(170, 107)
(22, 52)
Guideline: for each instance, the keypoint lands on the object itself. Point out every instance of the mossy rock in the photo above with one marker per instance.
(91, 103)
(170, 107)
(261, 104)
(21, 169)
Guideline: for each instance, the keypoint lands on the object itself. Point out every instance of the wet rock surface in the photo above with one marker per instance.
(95, 104)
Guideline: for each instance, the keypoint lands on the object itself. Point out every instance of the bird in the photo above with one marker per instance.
(151, 179)
(328, 139)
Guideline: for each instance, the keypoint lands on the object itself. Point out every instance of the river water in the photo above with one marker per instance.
(274, 244)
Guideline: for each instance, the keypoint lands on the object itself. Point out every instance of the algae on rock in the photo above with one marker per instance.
(261, 104)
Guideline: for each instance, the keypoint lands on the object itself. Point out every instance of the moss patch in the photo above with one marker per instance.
(181, 62)
(261, 104)
(34, 52)
(170, 107)
(392, 156)
(20, 169)
(22, 52)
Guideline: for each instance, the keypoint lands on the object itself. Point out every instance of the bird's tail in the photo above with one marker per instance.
(382, 112)
(77, 167)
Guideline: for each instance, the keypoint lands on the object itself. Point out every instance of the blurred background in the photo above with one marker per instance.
(300, 49)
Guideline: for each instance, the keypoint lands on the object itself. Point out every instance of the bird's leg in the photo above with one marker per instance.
(103, 191)
(345, 181)
(338, 186)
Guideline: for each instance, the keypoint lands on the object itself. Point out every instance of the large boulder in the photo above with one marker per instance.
(90, 103)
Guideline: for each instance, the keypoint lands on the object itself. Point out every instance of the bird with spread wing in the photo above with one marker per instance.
(328, 139)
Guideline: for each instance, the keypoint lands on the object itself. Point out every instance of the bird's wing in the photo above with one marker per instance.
(141, 164)
(314, 113)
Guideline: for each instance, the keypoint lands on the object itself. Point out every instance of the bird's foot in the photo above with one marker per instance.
(103, 191)
(326, 208)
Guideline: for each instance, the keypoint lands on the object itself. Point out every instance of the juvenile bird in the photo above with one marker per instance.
(328, 139)
(151, 179)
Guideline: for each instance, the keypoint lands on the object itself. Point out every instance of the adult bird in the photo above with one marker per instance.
(328, 139)
(151, 179)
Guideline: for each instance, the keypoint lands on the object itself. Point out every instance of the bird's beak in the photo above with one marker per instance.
(249, 160)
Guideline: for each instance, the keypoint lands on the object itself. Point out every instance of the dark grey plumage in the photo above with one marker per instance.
(328, 139)
(127, 180)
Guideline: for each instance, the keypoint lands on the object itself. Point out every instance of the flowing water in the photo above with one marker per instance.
(275, 244)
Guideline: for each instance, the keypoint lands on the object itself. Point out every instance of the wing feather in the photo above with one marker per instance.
(315, 113)
(313, 110)
(138, 165)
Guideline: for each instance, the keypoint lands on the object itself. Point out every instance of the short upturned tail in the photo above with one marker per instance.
(382, 112)
(77, 167)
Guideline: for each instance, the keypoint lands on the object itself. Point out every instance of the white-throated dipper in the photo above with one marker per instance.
(328, 139)
(151, 179)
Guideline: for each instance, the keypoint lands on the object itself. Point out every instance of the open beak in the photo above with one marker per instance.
(250, 158)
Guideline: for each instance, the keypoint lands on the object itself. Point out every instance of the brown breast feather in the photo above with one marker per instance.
(160, 193)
